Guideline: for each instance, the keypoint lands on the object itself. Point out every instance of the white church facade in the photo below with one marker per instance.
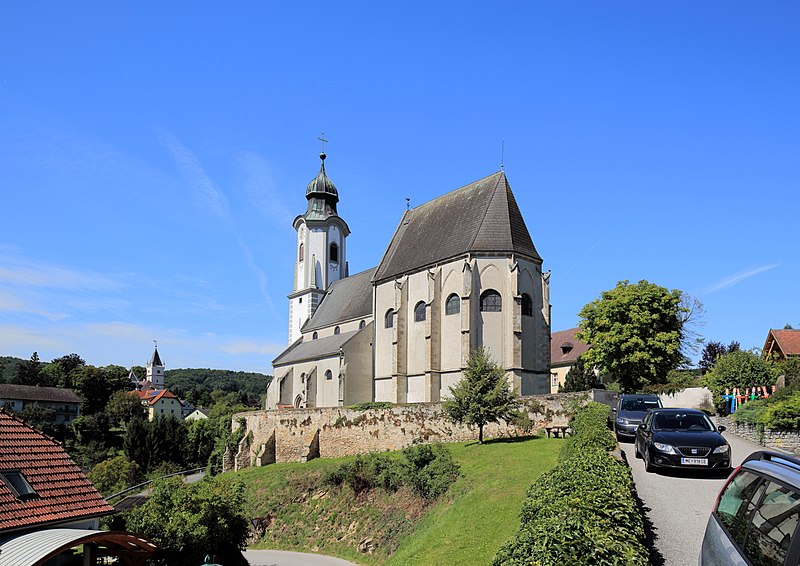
(460, 271)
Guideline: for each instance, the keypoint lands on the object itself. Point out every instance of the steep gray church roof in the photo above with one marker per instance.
(346, 299)
(313, 349)
(480, 217)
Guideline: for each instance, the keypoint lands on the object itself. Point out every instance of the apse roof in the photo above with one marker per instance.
(480, 217)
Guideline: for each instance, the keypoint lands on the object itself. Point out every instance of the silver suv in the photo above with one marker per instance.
(755, 519)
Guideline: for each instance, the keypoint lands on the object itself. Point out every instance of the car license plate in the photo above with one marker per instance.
(695, 461)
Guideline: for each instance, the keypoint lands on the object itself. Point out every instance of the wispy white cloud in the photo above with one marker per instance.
(194, 174)
(260, 187)
(737, 278)
(16, 270)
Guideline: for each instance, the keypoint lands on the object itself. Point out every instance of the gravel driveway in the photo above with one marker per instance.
(679, 503)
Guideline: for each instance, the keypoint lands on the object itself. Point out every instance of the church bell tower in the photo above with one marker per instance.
(320, 252)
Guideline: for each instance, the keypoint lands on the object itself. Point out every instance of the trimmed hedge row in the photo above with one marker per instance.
(583, 510)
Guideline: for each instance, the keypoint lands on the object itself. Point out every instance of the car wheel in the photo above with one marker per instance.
(648, 467)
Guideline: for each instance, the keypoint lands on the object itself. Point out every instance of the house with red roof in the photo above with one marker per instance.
(564, 351)
(160, 402)
(49, 508)
(782, 344)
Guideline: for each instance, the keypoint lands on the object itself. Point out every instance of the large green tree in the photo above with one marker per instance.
(190, 521)
(123, 406)
(637, 332)
(96, 385)
(483, 396)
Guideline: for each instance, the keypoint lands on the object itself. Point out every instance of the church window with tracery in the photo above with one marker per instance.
(527, 305)
(334, 253)
(453, 305)
(419, 312)
(491, 301)
(328, 374)
(388, 319)
(300, 253)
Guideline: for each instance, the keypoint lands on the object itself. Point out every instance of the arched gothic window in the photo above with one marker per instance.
(362, 324)
(491, 301)
(419, 312)
(314, 336)
(527, 305)
(333, 255)
(453, 305)
(388, 319)
(300, 253)
(328, 374)
(336, 330)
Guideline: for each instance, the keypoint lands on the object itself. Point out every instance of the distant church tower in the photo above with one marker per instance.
(320, 254)
(155, 370)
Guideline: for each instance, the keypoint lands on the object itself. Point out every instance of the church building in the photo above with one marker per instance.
(460, 272)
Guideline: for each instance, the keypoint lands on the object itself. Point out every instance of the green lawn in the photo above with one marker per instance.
(486, 500)
(466, 526)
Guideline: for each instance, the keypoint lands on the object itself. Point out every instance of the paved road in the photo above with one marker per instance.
(284, 558)
(678, 503)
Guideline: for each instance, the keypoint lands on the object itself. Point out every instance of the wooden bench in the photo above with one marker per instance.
(558, 431)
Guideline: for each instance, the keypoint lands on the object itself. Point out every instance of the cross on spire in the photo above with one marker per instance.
(323, 140)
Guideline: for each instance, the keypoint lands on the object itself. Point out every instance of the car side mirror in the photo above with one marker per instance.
(721, 428)
(613, 409)
(641, 426)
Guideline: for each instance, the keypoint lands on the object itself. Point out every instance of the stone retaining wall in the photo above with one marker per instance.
(298, 435)
(788, 440)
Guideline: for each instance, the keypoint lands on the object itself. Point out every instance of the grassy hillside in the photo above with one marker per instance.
(467, 526)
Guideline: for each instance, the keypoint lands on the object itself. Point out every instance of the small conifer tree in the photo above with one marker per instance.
(483, 396)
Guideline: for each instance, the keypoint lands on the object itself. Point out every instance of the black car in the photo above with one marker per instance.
(681, 438)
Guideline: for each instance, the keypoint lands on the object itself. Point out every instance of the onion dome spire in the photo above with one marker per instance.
(321, 194)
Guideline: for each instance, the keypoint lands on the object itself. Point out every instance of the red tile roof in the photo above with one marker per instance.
(151, 396)
(565, 347)
(65, 494)
(788, 340)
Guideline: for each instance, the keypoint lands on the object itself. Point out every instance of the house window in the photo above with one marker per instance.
(453, 305)
(300, 254)
(419, 312)
(328, 374)
(334, 253)
(491, 301)
(336, 330)
(388, 319)
(362, 324)
(18, 485)
(314, 336)
(527, 305)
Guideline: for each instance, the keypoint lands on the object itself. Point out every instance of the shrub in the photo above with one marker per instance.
(433, 469)
(583, 510)
(750, 412)
(782, 413)
(114, 474)
(428, 469)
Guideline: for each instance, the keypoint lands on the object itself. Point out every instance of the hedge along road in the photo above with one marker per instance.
(678, 503)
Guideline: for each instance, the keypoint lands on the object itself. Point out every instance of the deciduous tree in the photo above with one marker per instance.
(190, 521)
(482, 396)
(712, 351)
(637, 332)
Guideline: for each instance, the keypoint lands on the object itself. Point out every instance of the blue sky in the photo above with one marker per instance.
(152, 157)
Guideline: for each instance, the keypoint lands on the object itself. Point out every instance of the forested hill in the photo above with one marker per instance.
(190, 382)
